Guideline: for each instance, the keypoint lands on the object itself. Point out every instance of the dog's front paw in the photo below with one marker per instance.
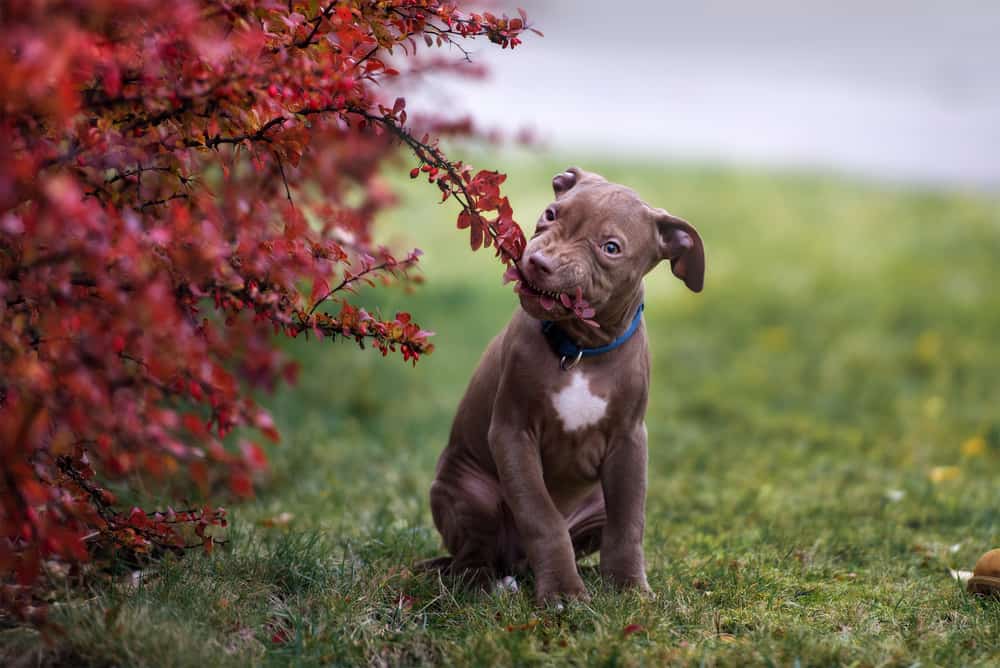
(640, 585)
(628, 578)
(556, 590)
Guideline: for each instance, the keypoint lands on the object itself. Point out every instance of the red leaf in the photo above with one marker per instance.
(241, 485)
(632, 628)
(476, 237)
(254, 455)
(320, 289)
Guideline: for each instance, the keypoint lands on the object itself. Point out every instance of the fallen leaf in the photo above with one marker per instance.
(944, 473)
(531, 623)
(632, 628)
(974, 447)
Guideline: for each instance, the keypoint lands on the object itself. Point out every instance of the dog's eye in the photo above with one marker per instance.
(611, 248)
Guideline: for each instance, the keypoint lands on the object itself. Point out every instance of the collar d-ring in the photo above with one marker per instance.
(567, 367)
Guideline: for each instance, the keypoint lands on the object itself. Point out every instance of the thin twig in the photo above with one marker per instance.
(281, 168)
(348, 280)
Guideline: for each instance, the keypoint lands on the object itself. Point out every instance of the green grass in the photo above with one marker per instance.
(845, 345)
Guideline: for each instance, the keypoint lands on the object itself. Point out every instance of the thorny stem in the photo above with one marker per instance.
(349, 279)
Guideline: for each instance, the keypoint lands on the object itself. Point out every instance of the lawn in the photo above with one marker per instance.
(824, 439)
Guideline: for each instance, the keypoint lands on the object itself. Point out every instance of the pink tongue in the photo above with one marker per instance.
(547, 302)
(512, 274)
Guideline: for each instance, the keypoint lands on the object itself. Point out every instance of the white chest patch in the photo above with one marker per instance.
(577, 406)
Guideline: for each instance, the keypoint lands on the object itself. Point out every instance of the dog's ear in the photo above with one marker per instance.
(681, 244)
(564, 181)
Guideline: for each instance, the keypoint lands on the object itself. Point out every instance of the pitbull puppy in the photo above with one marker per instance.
(547, 456)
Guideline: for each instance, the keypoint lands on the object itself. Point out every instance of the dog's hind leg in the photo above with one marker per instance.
(469, 513)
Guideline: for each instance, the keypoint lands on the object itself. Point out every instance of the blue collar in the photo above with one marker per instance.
(570, 353)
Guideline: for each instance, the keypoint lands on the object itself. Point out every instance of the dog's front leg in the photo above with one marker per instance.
(541, 526)
(623, 478)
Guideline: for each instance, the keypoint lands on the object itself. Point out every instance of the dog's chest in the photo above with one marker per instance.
(582, 414)
(577, 406)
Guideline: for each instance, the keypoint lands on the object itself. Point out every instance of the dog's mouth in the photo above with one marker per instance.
(547, 299)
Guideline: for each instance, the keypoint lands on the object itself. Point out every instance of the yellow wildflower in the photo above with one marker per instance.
(974, 447)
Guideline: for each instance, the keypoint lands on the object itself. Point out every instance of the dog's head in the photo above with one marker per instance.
(600, 238)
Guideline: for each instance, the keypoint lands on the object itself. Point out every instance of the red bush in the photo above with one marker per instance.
(179, 182)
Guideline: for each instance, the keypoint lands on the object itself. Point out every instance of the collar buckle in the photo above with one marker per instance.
(566, 367)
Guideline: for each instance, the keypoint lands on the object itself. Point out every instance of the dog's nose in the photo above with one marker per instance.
(540, 262)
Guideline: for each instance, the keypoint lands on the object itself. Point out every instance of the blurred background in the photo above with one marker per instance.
(899, 90)
(836, 382)
(834, 389)
(823, 419)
